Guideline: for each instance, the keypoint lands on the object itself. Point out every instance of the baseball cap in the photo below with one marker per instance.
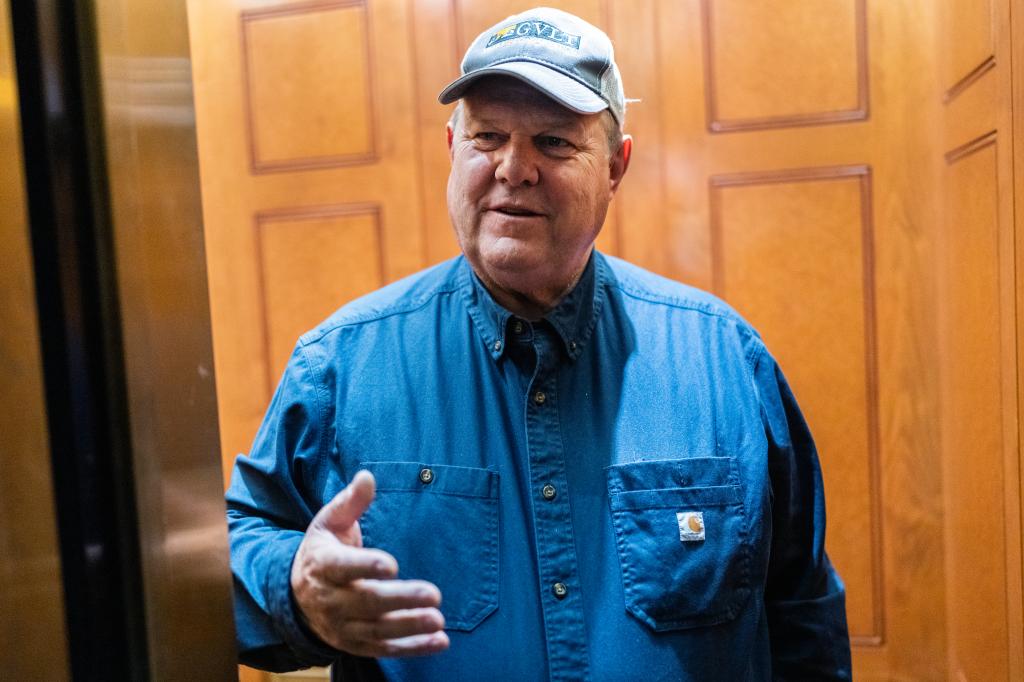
(567, 59)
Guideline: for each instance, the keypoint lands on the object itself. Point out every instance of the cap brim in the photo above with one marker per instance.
(567, 91)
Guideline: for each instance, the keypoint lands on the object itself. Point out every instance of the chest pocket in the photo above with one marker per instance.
(441, 524)
(681, 539)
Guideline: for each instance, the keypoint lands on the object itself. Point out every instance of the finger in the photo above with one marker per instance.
(346, 564)
(394, 625)
(403, 647)
(340, 513)
(371, 599)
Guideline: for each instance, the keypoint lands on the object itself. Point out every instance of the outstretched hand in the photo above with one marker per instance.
(349, 594)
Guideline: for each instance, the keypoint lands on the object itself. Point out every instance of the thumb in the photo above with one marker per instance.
(339, 515)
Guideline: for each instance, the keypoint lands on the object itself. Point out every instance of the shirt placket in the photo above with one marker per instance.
(561, 601)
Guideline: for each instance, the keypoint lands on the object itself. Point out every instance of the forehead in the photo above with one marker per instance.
(511, 97)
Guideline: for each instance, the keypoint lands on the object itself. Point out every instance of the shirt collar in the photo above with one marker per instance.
(573, 319)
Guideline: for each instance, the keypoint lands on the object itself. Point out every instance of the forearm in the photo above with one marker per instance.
(270, 634)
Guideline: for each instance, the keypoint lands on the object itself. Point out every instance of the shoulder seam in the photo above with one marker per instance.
(752, 354)
(374, 316)
(755, 353)
(684, 304)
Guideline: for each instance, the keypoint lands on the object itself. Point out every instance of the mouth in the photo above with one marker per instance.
(515, 211)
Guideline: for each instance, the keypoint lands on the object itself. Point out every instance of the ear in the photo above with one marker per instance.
(620, 161)
(451, 136)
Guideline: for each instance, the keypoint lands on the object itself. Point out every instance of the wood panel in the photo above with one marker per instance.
(802, 63)
(433, 25)
(971, 114)
(968, 40)
(814, 227)
(730, 92)
(688, 156)
(307, 75)
(292, 140)
(981, 454)
(900, 142)
(309, 261)
(473, 17)
(1012, 193)
(639, 201)
(973, 429)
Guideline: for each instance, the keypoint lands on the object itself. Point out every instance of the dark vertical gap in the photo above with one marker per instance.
(80, 337)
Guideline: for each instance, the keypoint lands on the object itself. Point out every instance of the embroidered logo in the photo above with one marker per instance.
(691, 526)
(535, 29)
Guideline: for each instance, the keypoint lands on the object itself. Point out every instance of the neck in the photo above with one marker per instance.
(532, 305)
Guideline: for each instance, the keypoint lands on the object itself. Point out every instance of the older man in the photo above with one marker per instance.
(535, 461)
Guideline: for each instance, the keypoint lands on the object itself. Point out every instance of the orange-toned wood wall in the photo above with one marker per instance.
(979, 341)
(839, 170)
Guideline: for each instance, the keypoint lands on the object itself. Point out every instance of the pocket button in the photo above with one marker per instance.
(426, 476)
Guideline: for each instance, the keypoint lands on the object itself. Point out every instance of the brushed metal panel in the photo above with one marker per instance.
(32, 617)
(153, 181)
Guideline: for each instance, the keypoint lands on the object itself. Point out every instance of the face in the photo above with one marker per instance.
(529, 189)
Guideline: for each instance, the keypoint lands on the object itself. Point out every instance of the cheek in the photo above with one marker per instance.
(585, 199)
(467, 184)
(471, 175)
(589, 201)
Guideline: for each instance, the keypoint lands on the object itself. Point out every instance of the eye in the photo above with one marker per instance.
(487, 139)
(552, 142)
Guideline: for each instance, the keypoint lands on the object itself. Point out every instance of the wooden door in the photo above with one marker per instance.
(306, 118)
(790, 156)
(979, 343)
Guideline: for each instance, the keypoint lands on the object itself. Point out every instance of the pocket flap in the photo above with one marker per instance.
(676, 498)
(440, 522)
(443, 478)
(691, 472)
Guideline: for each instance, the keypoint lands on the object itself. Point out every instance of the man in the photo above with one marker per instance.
(534, 461)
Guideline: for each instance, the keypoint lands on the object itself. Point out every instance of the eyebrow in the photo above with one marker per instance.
(567, 123)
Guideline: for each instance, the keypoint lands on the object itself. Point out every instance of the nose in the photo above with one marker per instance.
(517, 163)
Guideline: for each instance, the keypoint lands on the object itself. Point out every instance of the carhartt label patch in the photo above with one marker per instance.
(691, 526)
(535, 29)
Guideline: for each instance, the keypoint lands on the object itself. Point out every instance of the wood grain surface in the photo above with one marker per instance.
(842, 172)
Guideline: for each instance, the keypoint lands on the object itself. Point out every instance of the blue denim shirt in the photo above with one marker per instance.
(623, 490)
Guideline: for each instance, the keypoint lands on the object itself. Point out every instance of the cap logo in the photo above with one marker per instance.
(535, 29)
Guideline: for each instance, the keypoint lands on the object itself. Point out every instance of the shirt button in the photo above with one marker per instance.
(559, 590)
(548, 492)
(572, 346)
(497, 345)
(517, 327)
(539, 397)
(426, 475)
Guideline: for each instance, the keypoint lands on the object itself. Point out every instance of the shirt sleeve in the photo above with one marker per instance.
(804, 596)
(269, 505)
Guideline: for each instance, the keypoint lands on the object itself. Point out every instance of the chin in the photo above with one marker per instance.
(512, 269)
(512, 261)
